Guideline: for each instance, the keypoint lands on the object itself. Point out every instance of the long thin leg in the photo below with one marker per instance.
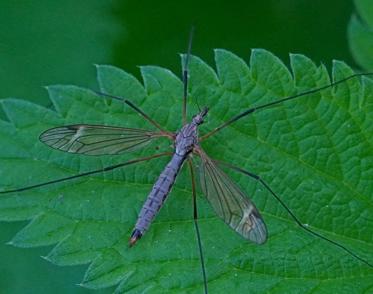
(185, 76)
(105, 169)
(138, 110)
(195, 219)
(253, 109)
(299, 223)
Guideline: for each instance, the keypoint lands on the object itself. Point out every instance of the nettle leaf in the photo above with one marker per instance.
(315, 152)
(360, 34)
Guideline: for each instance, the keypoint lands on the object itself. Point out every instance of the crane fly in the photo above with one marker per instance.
(227, 199)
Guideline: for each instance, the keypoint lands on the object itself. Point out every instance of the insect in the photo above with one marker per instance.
(227, 199)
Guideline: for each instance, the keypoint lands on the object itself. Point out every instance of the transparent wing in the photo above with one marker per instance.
(97, 139)
(230, 202)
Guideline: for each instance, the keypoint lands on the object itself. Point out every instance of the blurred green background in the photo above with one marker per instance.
(52, 42)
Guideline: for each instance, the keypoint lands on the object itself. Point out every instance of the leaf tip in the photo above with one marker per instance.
(46, 258)
(341, 66)
(223, 52)
(258, 54)
(257, 50)
(337, 62)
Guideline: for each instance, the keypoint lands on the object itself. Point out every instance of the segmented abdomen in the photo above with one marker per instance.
(157, 196)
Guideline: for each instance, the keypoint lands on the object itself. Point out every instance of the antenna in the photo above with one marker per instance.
(185, 75)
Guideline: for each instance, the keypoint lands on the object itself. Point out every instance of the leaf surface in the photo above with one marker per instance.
(315, 152)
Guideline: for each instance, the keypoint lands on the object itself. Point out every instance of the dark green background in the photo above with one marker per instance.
(51, 42)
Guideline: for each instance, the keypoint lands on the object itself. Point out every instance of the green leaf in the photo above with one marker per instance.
(360, 34)
(314, 152)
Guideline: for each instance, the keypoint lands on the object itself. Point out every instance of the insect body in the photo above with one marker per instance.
(245, 220)
(185, 141)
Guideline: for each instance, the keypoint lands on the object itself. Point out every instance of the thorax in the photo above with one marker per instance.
(186, 139)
